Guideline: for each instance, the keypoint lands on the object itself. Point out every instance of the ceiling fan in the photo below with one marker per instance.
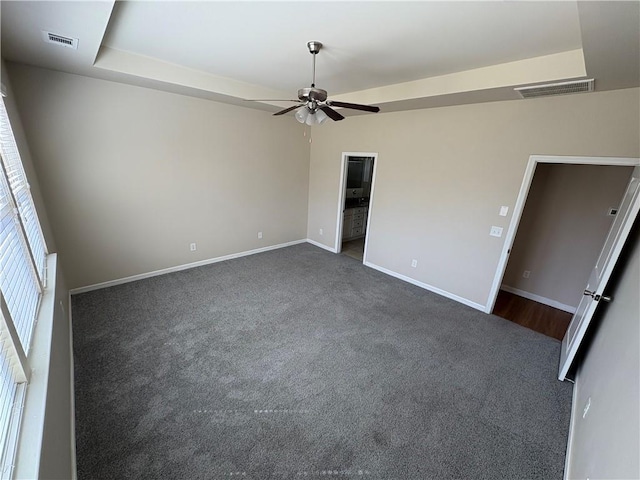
(312, 107)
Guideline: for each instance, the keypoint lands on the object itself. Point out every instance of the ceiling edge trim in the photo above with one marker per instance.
(146, 67)
(547, 68)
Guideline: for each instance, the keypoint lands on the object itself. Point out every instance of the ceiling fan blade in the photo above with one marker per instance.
(331, 113)
(287, 110)
(269, 100)
(355, 106)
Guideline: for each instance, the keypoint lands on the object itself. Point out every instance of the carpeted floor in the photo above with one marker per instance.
(298, 363)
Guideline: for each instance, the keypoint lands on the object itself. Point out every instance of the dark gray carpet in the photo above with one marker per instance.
(300, 363)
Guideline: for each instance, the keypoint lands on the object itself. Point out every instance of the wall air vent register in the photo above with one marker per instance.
(561, 88)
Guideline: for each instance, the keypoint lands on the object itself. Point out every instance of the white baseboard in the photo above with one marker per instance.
(318, 244)
(539, 299)
(209, 261)
(142, 276)
(426, 286)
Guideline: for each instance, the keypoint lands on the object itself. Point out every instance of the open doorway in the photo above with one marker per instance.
(569, 210)
(355, 203)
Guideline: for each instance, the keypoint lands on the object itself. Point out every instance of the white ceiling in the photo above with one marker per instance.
(399, 55)
(365, 44)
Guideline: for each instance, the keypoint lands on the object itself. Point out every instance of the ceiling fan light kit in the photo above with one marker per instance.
(305, 115)
(312, 107)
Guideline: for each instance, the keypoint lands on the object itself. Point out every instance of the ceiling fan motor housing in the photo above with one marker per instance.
(312, 94)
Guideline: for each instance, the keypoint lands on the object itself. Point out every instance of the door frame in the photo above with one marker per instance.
(341, 192)
(518, 208)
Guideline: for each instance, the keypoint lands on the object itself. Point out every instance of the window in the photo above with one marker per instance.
(22, 282)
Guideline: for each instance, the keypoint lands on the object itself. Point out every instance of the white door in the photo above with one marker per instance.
(600, 274)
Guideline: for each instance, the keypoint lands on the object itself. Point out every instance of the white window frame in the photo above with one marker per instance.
(24, 249)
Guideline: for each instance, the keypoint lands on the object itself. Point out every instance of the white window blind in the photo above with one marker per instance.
(8, 397)
(17, 283)
(22, 247)
(20, 188)
(22, 273)
(13, 377)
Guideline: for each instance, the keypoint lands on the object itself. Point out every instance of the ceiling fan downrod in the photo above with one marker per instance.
(314, 47)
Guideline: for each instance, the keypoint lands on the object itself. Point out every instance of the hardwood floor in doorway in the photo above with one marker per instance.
(533, 315)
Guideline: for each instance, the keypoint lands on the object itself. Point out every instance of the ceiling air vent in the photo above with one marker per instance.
(60, 40)
(562, 88)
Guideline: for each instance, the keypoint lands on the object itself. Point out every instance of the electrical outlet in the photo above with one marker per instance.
(259, 234)
(414, 263)
(526, 274)
(496, 231)
(193, 247)
(321, 232)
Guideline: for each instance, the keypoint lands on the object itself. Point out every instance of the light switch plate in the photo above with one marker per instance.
(496, 231)
(504, 210)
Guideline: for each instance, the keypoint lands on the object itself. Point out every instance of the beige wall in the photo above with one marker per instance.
(443, 173)
(132, 176)
(563, 228)
(605, 443)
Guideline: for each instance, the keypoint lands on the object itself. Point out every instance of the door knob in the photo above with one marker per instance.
(597, 297)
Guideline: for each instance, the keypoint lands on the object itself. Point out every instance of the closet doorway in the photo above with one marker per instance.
(568, 213)
(356, 193)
